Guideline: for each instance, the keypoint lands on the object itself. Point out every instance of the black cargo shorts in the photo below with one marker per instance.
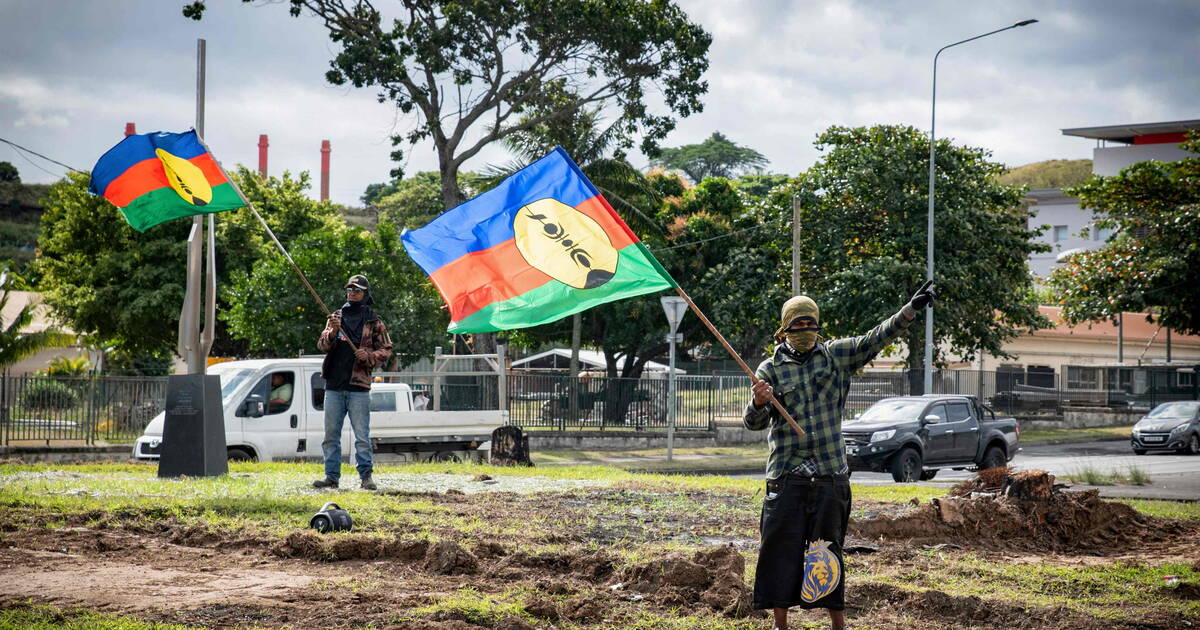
(799, 511)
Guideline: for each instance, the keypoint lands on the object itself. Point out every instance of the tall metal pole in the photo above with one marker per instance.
(189, 320)
(928, 363)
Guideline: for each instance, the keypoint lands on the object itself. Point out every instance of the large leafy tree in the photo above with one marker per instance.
(275, 314)
(863, 238)
(417, 200)
(717, 156)
(105, 279)
(1150, 264)
(470, 70)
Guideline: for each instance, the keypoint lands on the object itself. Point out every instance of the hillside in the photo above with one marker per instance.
(1049, 174)
(20, 214)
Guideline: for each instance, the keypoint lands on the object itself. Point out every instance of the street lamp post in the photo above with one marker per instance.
(928, 365)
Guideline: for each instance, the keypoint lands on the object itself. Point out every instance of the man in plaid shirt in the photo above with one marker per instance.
(807, 505)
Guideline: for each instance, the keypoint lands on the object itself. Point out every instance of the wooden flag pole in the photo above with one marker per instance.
(271, 233)
(728, 348)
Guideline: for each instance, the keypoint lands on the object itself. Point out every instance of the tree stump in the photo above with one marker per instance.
(1035, 485)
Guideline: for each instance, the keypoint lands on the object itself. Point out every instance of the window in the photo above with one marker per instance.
(958, 412)
(275, 390)
(1060, 233)
(1083, 377)
(1185, 379)
(383, 401)
(318, 392)
(937, 410)
(1102, 234)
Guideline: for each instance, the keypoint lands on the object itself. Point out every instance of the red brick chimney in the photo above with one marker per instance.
(262, 155)
(130, 129)
(325, 150)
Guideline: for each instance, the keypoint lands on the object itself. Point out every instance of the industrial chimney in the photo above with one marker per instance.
(130, 129)
(325, 170)
(262, 155)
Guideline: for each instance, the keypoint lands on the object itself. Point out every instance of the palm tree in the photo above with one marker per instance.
(15, 345)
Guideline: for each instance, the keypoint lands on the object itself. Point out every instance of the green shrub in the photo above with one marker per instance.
(49, 395)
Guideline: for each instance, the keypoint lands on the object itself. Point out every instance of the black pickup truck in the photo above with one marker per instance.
(914, 436)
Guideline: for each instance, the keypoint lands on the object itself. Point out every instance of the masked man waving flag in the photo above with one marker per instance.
(807, 504)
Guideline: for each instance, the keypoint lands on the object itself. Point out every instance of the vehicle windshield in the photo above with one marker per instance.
(893, 411)
(231, 378)
(1175, 410)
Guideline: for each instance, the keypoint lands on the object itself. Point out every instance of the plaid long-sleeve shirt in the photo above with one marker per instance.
(814, 392)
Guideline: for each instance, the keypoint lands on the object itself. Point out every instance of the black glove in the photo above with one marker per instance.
(924, 296)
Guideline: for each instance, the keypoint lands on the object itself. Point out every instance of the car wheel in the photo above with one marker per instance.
(906, 466)
(1139, 451)
(1193, 445)
(926, 475)
(239, 455)
(993, 458)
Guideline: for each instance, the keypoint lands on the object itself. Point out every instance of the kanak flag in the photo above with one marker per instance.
(156, 177)
(542, 245)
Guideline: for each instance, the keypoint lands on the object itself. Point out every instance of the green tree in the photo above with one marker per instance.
(717, 156)
(1150, 263)
(863, 238)
(471, 70)
(103, 277)
(9, 173)
(417, 200)
(374, 192)
(273, 312)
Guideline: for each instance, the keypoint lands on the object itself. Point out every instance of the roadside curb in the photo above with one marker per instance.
(1111, 438)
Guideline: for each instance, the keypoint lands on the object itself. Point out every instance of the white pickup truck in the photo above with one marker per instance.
(260, 426)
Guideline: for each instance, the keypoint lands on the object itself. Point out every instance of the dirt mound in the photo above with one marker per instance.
(712, 577)
(449, 558)
(307, 544)
(1024, 510)
(591, 566)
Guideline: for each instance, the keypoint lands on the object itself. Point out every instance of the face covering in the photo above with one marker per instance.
(802, 341)
(799, 306)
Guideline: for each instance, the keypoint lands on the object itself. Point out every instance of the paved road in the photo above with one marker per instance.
(1171, 476)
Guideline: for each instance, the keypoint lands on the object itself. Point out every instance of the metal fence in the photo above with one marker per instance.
(37, 409)
(40, 409)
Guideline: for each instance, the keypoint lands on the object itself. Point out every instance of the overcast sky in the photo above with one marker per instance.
(73, 72)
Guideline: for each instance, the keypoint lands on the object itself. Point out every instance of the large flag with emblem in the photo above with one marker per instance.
(156, 177)
(542, 245)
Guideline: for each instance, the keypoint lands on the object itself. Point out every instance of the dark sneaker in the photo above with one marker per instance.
(325, 483)
(367, 483)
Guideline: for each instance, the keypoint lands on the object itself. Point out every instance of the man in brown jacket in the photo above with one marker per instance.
(355, 342)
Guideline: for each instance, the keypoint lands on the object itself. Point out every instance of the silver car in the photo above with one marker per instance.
(1171, 426)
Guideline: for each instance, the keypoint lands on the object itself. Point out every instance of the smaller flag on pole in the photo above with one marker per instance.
(156, 177)
(542, 245)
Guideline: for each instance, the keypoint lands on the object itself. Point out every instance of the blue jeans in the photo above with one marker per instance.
(337, 404)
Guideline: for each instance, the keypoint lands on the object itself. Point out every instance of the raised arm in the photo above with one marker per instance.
(853, 353)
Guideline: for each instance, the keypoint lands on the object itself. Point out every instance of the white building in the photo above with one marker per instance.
(1117, 146)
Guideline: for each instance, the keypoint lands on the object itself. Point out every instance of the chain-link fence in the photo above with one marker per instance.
(46, 410)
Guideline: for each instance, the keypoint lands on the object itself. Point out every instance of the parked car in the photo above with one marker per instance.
(915, 436)
(1171, 426)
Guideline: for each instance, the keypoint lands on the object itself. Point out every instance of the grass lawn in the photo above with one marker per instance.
(1081, 435)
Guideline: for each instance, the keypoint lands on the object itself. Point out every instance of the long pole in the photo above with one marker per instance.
(672, 395)
(928, 363)
(746, 368)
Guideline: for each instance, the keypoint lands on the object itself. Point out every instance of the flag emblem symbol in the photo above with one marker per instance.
(565, 244)
(186, 178)
(822, 572)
